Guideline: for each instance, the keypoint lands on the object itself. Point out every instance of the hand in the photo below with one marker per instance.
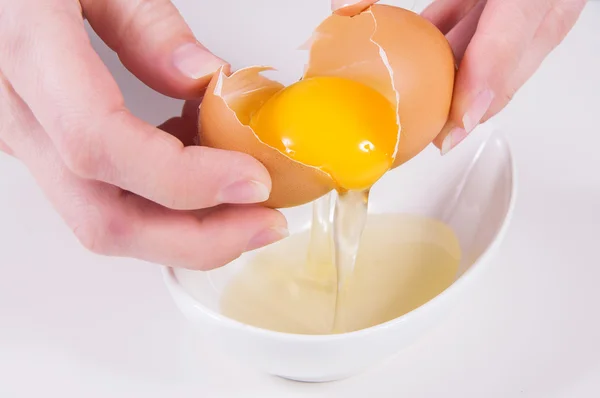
(124, 187)
(498, 45)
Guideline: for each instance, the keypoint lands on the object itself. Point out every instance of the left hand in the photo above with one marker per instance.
(123, 186)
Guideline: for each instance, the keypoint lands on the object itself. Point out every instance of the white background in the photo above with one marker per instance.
(73, 324)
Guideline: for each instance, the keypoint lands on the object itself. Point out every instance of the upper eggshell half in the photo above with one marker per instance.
(225, 112)
(401, 46)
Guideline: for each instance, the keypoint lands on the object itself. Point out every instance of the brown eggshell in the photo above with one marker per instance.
(225, 111)
(354, 9)
(383, 39)
(393, 50)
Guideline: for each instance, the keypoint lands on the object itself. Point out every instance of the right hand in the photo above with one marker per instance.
(498, 45)
(124, 187)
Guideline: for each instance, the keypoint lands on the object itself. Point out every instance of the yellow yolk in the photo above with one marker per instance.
(343, 127)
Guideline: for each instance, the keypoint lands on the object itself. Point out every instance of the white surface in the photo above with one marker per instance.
(77, 325)
(473, 193)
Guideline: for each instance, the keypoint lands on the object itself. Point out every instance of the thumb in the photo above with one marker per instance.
(155, 44)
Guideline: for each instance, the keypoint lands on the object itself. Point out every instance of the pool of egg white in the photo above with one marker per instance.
(349, 272)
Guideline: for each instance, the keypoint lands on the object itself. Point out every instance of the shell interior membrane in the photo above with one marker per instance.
(306, 128)
(346, 47)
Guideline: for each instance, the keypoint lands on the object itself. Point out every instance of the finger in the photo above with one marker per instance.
(555, 27)
(185, 127)
(191, 110)
(109, 221)
(460, 36)
(350, 8)
(154, 43)
(445, 14)
(5, 148)
(181, 128)
(504, 32)
(183, 240)
(79, 105)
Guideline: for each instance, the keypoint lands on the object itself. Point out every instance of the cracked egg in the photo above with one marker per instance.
(375, 92)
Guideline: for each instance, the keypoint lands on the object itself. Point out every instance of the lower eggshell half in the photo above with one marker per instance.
(227, 106)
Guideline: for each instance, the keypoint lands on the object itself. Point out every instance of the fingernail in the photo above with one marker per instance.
(266, 237)
(244, 192)
(477, 110)
(471, 119)
(454, 137)
(195, 61)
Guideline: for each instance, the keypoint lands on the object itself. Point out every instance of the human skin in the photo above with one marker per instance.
(124, 187)
(498, 45)
(127, 188)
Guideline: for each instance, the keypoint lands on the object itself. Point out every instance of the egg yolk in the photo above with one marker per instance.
(343, 127)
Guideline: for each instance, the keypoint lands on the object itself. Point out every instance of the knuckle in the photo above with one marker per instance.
(101, 232)
(158, 15)
(81, 143)
(84, 146)
(500, 45)
(188, 188)
(561, 18)
(91, 232)
(79, 152)
(17, 37)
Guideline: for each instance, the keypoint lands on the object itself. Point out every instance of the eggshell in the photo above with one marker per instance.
(225, 111)
(389, 44)
(352, 9)
(391, 49)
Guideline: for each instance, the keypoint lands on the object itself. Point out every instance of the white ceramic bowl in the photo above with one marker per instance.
(472, 189)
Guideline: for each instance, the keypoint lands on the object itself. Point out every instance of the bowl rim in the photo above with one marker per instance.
(176, 289)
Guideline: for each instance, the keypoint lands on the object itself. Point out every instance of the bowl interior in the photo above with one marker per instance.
(470, 189)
